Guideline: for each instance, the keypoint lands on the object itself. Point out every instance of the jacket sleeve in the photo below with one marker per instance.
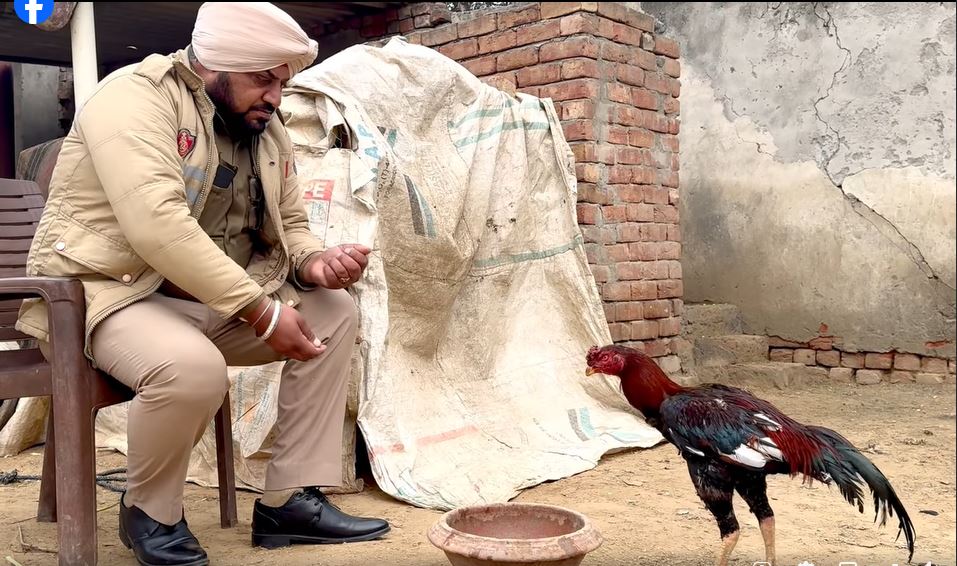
(130, 128)
(303, 244)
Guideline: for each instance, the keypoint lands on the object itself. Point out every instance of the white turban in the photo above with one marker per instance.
(245, 37)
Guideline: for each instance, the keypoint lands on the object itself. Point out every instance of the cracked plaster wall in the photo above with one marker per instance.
(817, 167)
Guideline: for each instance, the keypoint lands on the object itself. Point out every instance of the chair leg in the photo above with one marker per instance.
(75, 484)
(224, 464)
(46, 507)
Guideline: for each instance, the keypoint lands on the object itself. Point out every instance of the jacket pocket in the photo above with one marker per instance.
(100, 254)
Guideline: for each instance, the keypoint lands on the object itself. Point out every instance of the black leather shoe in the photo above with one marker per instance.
(309, 518)
(156, 544)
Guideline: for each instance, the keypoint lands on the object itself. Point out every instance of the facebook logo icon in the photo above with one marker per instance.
(33, 12)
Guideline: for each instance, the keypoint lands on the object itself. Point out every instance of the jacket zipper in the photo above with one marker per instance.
(118, 306)
(207, 183)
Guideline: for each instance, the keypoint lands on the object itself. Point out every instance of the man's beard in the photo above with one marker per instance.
(237, 123)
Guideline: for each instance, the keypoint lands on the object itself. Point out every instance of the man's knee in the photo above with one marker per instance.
(345, 308)
(197, 378)
(330, 305)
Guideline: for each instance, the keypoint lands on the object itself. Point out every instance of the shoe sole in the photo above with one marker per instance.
(279, 541)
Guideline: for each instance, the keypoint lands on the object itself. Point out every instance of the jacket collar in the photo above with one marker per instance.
(193, 81)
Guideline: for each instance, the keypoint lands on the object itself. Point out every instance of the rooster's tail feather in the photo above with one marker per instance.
(846, 467)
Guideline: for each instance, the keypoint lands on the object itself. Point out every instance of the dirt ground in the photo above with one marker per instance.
(641, 501)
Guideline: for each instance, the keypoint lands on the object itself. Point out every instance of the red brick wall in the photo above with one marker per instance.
(615, 86)
(866, 368)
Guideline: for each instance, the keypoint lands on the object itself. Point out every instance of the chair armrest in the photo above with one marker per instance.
(51, 289)
(66, 315)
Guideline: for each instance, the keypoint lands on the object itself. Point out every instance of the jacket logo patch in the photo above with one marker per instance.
(185, 141)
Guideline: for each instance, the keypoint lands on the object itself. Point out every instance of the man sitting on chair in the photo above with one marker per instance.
(175, 202)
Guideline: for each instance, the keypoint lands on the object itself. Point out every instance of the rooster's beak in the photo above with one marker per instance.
(590, 371)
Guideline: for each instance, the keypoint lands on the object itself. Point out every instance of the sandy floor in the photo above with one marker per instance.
(642, 501)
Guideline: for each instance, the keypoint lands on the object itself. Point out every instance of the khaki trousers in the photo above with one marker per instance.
(173, 353)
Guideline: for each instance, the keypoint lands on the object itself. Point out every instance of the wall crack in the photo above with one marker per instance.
(829, 24)
(890, 231)
(887, 228)
(730, 105)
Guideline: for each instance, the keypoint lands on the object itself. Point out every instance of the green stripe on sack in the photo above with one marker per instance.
(528, 256)
(528, 126)
(422, 221)
(491, 112)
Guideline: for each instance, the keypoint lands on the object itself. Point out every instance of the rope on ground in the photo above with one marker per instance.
(108, 479)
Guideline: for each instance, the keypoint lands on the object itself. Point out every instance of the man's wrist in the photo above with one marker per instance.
(254, 309)
(304, 273)
(269, 322)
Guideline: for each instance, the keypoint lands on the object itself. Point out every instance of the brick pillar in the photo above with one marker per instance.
(615, 86)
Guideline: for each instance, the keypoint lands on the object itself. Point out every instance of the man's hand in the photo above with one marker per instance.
(292, 337)
(338, 267)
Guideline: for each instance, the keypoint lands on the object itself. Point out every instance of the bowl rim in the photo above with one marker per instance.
(447, 538)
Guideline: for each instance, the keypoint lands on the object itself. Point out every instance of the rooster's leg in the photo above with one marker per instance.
(754, 490)
(767, 531)
(723, 511)
(716, 490)
(727, 545)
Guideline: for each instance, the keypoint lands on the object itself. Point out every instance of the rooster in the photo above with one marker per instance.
(731, 440)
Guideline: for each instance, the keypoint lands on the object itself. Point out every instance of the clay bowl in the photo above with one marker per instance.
(514, 533)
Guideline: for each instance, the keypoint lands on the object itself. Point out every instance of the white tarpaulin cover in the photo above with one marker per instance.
(479, 305)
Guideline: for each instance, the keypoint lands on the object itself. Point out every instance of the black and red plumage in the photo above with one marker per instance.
(732, 440)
